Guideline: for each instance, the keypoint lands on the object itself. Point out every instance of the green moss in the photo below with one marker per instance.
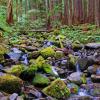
(40, 61)
(3, 49)
(59, 54)
(29, 73)
(10, 83)
(57, 89)
(40, 80)
(47, 68)
(47, 52)
(83, 79)
(77, 45)
(16, 69)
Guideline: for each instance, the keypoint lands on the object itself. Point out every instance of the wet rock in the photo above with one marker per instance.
(85, 62)
(40, 80)
(1, 95)
(4, 98)
(13, 96)
(80, 98)
(34, 54)
(77, 78)
(30, 48)
(93, 45)
(10, 83)
(1, 67)
(73, 88)
(20, 98)
(95, 92)
(93, 89)
(93, 69)
(15, 54)
(47, 52)
(31, 92)
(57, 89)
(95, 78)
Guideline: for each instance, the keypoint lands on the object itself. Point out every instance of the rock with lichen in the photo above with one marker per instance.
(47, 52)
(57, 89)
(10, 83)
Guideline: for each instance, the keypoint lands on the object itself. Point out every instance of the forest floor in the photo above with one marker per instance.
(60, 65)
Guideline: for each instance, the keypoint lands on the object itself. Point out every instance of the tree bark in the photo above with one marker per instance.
(9, 18)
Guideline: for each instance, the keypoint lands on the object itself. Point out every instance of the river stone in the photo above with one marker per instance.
(95, 78)
(77, 78)
(85, 62)
(80, 98)
(13, 96)
(93, 45)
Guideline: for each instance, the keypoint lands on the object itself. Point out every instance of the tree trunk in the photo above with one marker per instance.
(9, 18)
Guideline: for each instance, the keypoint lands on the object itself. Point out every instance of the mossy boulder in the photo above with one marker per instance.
(57, 89)
(10, 83)
(40, 80)
(47, 52)
(28, 74)
(42, 65)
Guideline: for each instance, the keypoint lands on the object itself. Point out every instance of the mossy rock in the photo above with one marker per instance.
(59, 54)
(16, 69)
(3, 49)
(1, 58)
(40, 80)
(57, 89)
(10, 83)
(40, 61)
(28, 74)
(47, 68)
(47, 52)
(34, 54)
(72, 61)
(77, 45)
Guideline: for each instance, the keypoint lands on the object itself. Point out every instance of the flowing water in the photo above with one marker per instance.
(25, 59)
